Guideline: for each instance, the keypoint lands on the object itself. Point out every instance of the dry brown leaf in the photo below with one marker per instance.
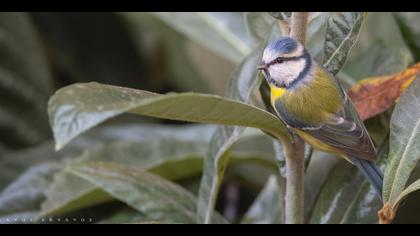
(375, 95)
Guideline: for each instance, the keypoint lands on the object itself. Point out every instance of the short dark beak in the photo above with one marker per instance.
(262, 67)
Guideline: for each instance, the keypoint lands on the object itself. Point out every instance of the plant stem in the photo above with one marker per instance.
(298, 27)
(294, 152)
(295, 165)
(386, 214)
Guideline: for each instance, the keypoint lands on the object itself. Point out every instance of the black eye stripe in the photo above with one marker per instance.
(283, 59)
(279, 60)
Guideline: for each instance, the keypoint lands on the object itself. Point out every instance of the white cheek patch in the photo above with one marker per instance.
(287, 71)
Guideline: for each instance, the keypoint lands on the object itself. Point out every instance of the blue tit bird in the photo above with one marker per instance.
(313, 104)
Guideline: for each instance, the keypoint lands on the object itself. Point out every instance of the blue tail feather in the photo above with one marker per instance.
(372, 173)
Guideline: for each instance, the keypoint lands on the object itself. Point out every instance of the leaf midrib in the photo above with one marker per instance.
(185, 209)
(403, 157)
(343, 41)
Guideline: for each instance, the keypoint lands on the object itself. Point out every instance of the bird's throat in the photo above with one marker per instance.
(276, 93)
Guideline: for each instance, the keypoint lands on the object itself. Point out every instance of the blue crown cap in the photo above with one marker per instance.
(283, 45)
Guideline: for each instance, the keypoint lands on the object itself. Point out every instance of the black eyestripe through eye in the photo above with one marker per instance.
(279, 60)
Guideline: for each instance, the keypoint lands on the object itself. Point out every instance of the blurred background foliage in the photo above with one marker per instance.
(163, 52)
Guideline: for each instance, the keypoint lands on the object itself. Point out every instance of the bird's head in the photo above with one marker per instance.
(285, 61)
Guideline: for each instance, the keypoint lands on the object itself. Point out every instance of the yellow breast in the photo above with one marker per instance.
(276, 93)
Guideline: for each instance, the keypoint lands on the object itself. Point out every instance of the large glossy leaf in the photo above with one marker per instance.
(410, 30)
(268, 208)
(341, 34)
(13, 164)
(404, 144)
(315, 35)
(79, 107)
(377, 51)
(242, 86)
(223, 32)
(259, 25)
(316, 175)
(409, 207)
(224, 137)
(251, 160)
(156, 197)
(125, 216)
(25, 83)
(175, 159)
(345, 198)
(20, 200)
(172, 159)
(152, 147)
(378, 60)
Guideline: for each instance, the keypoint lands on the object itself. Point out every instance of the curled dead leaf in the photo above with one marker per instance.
(375, 95)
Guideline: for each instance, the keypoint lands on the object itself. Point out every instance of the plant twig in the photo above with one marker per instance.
(294, 153)
(295, 166)
(298, 26)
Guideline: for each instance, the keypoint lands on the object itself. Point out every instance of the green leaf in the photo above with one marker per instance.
(411, 188)
(25, 83)
(252, 160)
(268, 208)
(14, 164)
(242, 86)
(315, 35)
(317, 173)
(404, 143)
(336, 192)
(410, 30)
(77, 108)
(32, 161)
(345, 197)
(222, 32)
(378, 60)
(125, 216)
(378, 51)
(265, 93)
(69, 193)
(21, 199)
(156, 197)
(173, 153)
(259, 24)
(341, 34)
(218, 153)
